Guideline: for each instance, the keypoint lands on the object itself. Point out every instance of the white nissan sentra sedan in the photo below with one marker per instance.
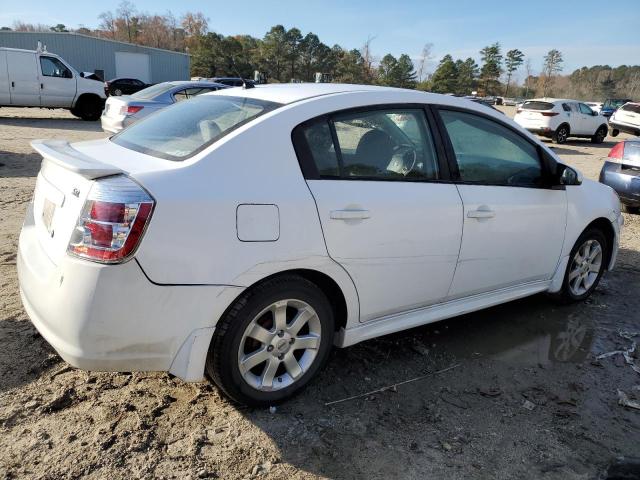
(244, 233)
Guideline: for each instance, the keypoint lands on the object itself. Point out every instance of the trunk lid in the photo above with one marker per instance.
(62, 186)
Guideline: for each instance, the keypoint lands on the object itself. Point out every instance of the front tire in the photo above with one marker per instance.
(587, 263)
(272, 341)
(88, 108)
(561, 134)
(600, 135)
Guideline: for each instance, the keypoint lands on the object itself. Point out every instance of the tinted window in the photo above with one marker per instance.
(531, 105)
(585, 109)
(323, 153)
(52, 67)
(186, 128)
(490, 153)
(386, 144)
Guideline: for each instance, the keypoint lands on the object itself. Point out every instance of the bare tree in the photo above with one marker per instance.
(528, 69)
(126, 12)
(368, 60)
(108, 24)
(552, 66)
(425, 56)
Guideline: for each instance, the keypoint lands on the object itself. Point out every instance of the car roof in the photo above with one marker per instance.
(286, 93)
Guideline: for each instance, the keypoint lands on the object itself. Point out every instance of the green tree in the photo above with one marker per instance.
(513, 60)
(293, 39)
(59, 28)
(491, 67)
(607, 87)
(405, 72)
(468, 71)
(445, 78)
(273, 54)
(388, 70)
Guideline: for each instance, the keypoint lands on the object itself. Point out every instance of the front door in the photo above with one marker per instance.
(386, 217)
(24, 85)
(513, 225)
(588, 122)
(58, 85)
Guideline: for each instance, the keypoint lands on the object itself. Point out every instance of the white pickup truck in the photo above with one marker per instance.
(36, 78)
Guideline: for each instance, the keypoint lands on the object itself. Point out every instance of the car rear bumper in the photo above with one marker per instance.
(624, 127)
(111, 317)
(115, 124)
(625, 181)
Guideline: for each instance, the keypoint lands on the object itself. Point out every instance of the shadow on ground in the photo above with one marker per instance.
(52, 123)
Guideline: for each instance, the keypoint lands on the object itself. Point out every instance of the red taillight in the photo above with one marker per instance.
(549, 114)
(112, 221)
(617, 152)
(131, 109)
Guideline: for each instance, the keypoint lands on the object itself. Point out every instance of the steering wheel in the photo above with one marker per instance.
(403, 160)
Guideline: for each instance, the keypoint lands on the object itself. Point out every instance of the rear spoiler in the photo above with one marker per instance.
(61, 153)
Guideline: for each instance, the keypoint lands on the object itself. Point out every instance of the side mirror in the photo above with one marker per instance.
(568, 176)
(595, 114)
(82, 74)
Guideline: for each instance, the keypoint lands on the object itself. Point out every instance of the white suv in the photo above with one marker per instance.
(560, 119)
(243, 233)
(626, 119)
(36, 78)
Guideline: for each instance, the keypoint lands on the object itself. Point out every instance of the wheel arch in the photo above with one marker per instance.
(604, 225)
(87, 96)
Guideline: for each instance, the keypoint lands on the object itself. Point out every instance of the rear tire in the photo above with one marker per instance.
(600, 135)
(561, 134)
(259, 355)
(587, 262)
(117, 92)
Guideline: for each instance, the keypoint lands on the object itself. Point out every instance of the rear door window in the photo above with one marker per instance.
(393, 144)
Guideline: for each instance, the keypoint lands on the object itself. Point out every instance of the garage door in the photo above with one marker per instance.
(133, 65)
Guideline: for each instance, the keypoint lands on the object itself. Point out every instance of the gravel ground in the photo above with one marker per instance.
(527, 397)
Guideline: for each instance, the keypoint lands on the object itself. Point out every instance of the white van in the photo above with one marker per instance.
(35, 78)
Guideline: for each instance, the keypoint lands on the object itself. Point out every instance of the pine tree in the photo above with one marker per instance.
(514, 59)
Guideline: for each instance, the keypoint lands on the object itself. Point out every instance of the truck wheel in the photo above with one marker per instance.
(88, 108)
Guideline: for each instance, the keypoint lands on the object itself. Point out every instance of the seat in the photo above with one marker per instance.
(374, 149)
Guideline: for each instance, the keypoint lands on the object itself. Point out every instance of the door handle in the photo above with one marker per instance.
(13, 84)
(481, 213)
(41, 86)
(350, 214)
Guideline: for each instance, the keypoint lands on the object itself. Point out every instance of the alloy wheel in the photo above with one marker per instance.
(279, 345)
(585, 267)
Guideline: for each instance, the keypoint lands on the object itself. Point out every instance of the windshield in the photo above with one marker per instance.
(615, 103)
(184, 129)
(153, 91)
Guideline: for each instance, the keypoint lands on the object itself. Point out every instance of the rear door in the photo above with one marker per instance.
(588, 122)
(57, 83)
(5, 98)
(388, 214)
(24, 84)
(513, 225)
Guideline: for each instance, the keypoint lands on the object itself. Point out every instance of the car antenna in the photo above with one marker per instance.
(245, 85)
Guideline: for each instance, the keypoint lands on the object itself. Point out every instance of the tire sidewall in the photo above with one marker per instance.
(560, 140)
(229, 372)
(591, 234)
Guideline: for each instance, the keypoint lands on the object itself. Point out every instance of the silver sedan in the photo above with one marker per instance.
(120, 112)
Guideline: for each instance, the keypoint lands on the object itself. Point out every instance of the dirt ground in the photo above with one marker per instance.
(527, 397)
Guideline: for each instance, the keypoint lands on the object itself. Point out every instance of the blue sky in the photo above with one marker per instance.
(587, 32)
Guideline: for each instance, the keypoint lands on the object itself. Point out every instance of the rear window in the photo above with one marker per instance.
(532, 105)
(153, 91)
(631, 107)
(186, 128)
